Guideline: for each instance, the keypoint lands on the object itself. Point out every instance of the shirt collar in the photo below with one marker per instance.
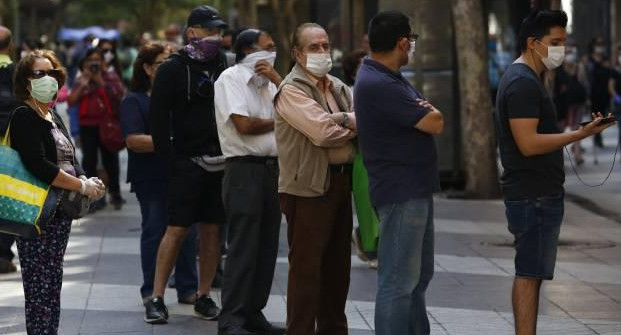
(319, 82)
(381, 67)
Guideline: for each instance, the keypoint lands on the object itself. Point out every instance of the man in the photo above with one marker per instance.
(184, 132)
(314, 131)
(396, 127)
(7, 104)
(245, 115)
(531, 152)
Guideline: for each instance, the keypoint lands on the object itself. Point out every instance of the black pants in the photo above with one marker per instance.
(6, 241)
(89, 136)
(250, 195)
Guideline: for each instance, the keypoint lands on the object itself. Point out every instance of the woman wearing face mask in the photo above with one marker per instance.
(110, 57)
(45, 148)
(97, 92)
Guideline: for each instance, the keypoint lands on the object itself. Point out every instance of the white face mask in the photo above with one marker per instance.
(43, 89)
(411, 52)
(108, 57)
(571, 57)
(251, 60)
(319, 64)
(555, 58)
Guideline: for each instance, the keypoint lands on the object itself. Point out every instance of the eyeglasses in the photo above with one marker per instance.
(54, 73)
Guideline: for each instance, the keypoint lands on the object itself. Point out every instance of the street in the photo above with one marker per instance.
(470, 292)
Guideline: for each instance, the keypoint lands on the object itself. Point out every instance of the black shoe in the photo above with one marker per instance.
(235, 330)
(7, 266)
(117, 201)
(156, 311)
(205, 308)
(264, 328)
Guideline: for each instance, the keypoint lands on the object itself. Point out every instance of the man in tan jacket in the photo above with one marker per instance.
(315, 126)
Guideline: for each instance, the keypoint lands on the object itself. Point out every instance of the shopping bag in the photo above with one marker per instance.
(367, 218)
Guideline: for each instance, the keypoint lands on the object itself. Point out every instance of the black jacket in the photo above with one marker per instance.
(32, 138)
(182, 117)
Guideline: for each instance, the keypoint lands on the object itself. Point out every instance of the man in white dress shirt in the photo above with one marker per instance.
(245, 116)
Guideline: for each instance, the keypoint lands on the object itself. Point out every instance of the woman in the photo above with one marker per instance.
(110, 57)
(44, 146)
(97, 93)
(148, 175)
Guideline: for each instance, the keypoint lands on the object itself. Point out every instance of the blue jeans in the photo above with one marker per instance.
(405, 258)
(152, 197)
(535, 224)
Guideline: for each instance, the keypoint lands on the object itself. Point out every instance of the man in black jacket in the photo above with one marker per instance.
(7, 104)
(184, 132)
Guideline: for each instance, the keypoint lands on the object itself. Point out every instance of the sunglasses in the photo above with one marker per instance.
(54, 73)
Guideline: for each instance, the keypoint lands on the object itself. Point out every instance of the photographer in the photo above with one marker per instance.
(97, 93)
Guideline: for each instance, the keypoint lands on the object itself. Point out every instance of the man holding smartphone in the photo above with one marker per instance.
(531, 153)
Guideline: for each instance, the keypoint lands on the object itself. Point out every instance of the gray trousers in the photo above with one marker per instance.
(251, 203)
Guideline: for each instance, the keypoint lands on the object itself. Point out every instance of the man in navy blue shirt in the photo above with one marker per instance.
(396, 128)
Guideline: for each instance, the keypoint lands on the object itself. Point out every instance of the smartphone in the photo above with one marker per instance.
(94, 67)
(604, 121)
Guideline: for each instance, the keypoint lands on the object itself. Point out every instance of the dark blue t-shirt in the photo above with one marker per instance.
(134, 120)
(401, 160)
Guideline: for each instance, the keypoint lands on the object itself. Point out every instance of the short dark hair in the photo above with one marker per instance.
(140, 81)
(538, 24)
(23, 72)
(246, 40)
(351, 61)
(386, 29)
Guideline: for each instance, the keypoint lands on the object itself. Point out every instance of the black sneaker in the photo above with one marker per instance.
(205, 308)
(156, 311)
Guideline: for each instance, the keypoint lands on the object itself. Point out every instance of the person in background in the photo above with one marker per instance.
(110, 57)
(7, 105)
(570, 95)
(29, 45)
(148, 175)
(351, 65)
(599, 76)
(45, 148)
(245, 117)
(97, 92)
(615, 88)
(184, 132)
(315, 127)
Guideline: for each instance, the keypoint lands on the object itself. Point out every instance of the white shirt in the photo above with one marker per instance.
(236, 92)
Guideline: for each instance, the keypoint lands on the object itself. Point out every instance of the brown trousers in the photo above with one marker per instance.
(319, 234)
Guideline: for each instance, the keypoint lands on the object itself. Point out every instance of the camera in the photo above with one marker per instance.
(94, 67)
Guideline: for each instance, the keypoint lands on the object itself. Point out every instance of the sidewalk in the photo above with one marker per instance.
(470, 292)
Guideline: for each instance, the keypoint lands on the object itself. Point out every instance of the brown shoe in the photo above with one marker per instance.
(7, 266)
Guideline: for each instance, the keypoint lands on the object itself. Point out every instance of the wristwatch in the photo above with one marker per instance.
(345, 120)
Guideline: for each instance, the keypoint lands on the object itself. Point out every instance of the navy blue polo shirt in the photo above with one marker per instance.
(401, 160)
(141, 167)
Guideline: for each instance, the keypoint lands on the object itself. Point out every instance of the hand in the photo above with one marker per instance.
(264, 68)
(94, 189)
(426, 105)
(594, 127)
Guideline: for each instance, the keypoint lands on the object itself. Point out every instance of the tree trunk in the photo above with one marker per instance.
(478, 137)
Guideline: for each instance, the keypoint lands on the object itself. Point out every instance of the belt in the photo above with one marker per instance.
(342, 168)
(267, 160)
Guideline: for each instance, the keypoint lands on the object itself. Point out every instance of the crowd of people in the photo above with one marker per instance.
(221, 145)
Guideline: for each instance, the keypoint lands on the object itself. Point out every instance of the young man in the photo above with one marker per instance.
(184, 131)
(314, 130)
(245, 116)
(531, 153)
(396, 131)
